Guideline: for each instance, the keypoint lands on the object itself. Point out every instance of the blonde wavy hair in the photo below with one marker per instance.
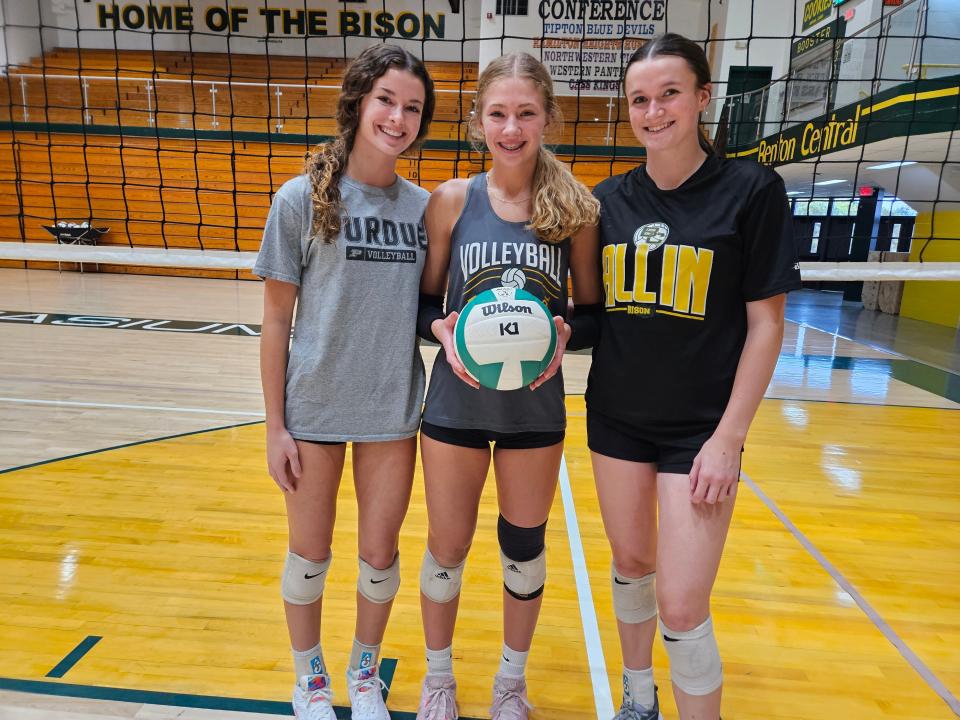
(562, 205)
(327, 161)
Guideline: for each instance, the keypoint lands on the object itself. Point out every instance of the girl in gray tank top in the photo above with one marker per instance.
(483, 248)
(344, 243)
(525, 223)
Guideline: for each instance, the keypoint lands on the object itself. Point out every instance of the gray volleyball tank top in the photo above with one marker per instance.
(487, 252)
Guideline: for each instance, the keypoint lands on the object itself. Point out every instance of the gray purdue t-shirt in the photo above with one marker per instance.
(354, 370)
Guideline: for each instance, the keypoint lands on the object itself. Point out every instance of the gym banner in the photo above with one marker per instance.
(915, 108)
(818, 38)
(262, 20)
(245, 26)
(586, 43)
(816, 11)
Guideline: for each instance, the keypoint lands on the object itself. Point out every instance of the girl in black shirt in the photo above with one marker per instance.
(697, 255)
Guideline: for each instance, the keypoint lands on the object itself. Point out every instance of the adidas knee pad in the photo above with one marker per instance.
(379, 586)
(438, 583)
(694, 658)
(303, 580)
(634, 599)
(523, 556)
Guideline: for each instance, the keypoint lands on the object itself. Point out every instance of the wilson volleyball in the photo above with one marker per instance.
(505, 338)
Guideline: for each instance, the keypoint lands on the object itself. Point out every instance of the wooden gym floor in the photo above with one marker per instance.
(141, 540)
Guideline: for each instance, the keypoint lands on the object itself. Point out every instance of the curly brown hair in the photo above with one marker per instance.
(327, 161)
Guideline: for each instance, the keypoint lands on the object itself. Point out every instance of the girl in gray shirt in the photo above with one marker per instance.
(345, 245)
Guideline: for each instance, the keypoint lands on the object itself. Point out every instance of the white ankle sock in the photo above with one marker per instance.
(638, 686)
(309, 662)
(363, 657)
(440, 661)
(512, 663)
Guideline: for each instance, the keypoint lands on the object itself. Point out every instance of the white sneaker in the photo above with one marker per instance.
(313, 699)
(366, 698)
(438, 701)
(509, 698)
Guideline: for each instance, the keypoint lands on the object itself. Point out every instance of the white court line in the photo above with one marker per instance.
(882, 625)
(117, 406)
(588, 613)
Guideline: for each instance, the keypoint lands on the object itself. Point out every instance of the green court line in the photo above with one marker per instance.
(152, 697)
(73, 657)
(127, 445)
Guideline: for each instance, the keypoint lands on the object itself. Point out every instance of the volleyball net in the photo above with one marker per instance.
(154, 133)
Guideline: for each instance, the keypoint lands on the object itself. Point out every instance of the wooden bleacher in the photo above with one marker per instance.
(208, 194)
(180, 94)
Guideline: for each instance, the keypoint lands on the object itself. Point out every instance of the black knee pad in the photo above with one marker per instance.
(523, 557)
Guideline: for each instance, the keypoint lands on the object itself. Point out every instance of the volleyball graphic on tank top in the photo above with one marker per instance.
(505, 337)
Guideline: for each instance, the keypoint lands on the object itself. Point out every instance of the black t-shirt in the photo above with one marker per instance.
(678, 268)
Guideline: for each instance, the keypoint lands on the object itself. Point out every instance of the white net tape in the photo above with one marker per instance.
(228, 260)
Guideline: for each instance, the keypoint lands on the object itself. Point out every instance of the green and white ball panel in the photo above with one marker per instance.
(505, 338)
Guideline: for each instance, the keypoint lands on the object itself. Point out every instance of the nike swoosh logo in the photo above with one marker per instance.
(307, 576)
(377, 582)
(617, 581)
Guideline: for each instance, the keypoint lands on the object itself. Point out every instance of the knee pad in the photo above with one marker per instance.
(438, 583)
(379, 586)
(694, 658)
(634, 599)
(303, 580)
(523, 556)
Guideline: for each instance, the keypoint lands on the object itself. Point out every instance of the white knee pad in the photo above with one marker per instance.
(525, 580)
(634, 599)
(303, 580)
(694, 658)
(438, 583)
(379, 586)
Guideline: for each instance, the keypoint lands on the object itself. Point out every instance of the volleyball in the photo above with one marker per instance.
(505, 338)
(513, 277)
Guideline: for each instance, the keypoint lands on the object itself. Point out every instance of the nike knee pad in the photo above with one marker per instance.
(440, 584)
(303, 580)
(379, 586)
(634, 599)
(694, 658)
(523, 557)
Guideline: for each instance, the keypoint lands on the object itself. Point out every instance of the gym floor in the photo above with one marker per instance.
(141, 539)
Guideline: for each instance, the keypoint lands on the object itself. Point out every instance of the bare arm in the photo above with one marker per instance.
(443, 209)
(586, 291)
(716, 468)
(279, 299)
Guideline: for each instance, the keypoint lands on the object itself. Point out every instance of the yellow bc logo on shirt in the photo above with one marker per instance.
(653, 234)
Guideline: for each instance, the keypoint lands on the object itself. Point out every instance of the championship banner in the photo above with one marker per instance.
(586, 43)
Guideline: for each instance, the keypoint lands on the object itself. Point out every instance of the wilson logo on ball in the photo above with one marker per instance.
(498, 308)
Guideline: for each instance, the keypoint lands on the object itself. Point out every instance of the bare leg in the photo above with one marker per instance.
(311, 512)
(628, 503)
(383, 477)
(453, 481)
(690, 545)
(526, 485)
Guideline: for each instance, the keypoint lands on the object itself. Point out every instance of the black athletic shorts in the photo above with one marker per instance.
(672, 451)
(481, 439)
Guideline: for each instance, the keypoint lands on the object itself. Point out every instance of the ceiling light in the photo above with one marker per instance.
(829, 182)
(887, 166)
